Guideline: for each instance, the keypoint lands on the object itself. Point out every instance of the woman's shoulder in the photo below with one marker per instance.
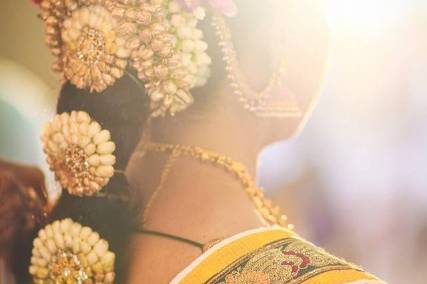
(271, 255)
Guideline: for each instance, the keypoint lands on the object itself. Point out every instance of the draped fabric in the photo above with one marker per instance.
(270, 255)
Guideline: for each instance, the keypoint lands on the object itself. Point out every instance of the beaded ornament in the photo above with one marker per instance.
(79, 152)
(67, 252)
(95, 41)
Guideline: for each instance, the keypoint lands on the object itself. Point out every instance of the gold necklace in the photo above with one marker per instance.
(271, 214)
(253, 100)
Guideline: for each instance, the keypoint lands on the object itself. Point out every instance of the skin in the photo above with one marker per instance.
(202, 202)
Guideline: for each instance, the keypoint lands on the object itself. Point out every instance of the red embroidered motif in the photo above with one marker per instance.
(296, 267)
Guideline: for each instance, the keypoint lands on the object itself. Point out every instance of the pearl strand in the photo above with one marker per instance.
(239, 85)
(252, 100)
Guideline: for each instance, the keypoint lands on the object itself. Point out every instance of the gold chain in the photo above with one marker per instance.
(253, 100)
(271, 214)
(163, 176)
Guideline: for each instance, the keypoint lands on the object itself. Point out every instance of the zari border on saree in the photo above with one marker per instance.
(221, 259)
(227, 252)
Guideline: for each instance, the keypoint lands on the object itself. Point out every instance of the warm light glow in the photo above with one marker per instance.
(364, 16)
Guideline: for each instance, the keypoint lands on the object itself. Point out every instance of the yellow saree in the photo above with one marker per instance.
(267, 256)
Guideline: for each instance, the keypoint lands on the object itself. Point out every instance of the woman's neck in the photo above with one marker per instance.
(200, 201)
(218, 135)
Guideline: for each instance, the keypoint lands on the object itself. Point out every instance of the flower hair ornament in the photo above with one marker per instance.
(225, 7)
(95, 41)
(67, 252)
(79, 152)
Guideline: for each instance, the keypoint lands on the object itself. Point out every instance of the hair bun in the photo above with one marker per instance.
(96, 41)
(79, 152)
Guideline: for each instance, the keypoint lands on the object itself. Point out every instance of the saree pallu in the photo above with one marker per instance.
(270, 256)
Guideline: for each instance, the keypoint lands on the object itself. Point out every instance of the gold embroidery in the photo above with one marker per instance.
(287, 261)
(249, 277)
(271, 262)
(317, 256)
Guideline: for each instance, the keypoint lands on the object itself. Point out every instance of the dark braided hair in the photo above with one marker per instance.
(122, 110)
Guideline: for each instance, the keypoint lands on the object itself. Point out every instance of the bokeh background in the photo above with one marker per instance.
(355, 181)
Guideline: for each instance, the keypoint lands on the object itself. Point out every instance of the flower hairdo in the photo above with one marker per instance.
(67, 252)
(79, 152)
(226, 7)
(95, 41)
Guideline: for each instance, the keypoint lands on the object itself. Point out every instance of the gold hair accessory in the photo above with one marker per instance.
(94, 49)
(259, 102)
(67, 252)
(79, 152)
(270, 213)
(94, 41)
(171, 57)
